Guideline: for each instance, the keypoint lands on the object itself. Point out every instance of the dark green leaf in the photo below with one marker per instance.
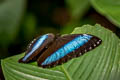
(109, 8)
(10, 15)
(102, 63)
(77, 8)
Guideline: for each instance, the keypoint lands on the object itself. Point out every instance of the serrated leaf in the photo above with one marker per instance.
(109, 8)
(10, 14)
(102, 63)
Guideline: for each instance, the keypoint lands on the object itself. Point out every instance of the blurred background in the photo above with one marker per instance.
(23, 20)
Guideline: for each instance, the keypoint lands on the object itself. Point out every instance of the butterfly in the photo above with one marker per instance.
(50, 50)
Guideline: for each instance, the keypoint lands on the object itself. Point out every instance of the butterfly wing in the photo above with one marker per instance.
(66, 47)
(36, 47)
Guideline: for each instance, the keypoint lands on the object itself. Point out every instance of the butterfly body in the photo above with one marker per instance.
(67, 47)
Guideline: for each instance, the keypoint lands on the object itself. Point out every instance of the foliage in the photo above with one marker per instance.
(10, 15)
(102, 63)
(77, 8)
(109, 8)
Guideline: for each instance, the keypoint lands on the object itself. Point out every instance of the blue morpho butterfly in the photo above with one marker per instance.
(50, 50)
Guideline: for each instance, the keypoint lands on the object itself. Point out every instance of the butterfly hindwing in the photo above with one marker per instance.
(66, 47)
(36, 47)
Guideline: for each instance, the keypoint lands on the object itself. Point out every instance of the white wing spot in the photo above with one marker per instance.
(94, 45)
(80, 53)
(29, 45)
(90, 48)
(98, 42)
(84, 34)
(32, 41)
(85, 50)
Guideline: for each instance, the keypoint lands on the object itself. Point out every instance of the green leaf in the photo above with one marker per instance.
(102, 63)
(77, 8)
(29, 25)
(109, 8)
(10, 14)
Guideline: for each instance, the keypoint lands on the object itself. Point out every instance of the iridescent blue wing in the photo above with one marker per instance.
(66, 47)
(36, 47)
